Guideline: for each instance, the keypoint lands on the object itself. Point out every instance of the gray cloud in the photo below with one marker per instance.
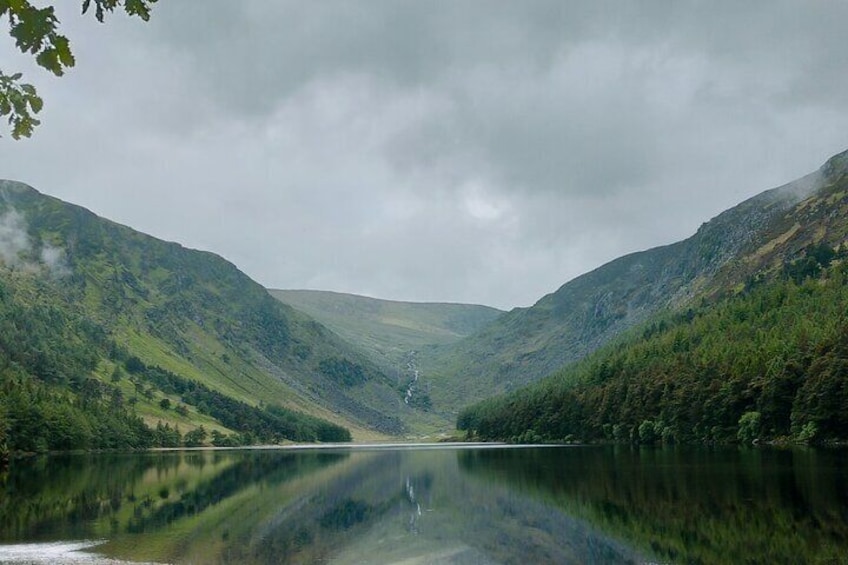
(14, 241)
(480, 151)
(17, 251)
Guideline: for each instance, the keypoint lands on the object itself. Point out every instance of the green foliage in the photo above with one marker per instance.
(20, 102)
(232, 440)
(343, 371)
(195, 438)
(42, 419)
(166, 436)
(134, 365)
(35, 31)
(808, 432)
(816, 257)
(749, 427)
(647, 432)
(769, 364)
(269, 424)
(140, 8)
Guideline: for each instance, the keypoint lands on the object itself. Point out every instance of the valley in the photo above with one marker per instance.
(406, 282)
(106, 326)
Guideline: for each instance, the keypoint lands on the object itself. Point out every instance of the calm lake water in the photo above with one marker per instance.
(430, 505)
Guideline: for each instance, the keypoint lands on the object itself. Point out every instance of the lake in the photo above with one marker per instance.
(430, 504)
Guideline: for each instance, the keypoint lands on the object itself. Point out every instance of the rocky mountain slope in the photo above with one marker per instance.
(766, 362)
(731, 250)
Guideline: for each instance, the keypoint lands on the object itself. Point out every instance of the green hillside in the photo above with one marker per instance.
(98, 318)
(387, 328)
(762, 354)
(394, 334)
(112, 338)
(753, 238)
(768, 364)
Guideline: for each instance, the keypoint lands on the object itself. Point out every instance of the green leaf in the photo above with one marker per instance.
(17, 5)
(137, 8)
(36, 103)
(19, 103)
(63, 51)
(33, 27)
(47, 59)
(23, 127)
(35, 32)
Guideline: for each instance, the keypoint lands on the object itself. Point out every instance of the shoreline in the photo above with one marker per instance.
(386, 445)
(350, 446)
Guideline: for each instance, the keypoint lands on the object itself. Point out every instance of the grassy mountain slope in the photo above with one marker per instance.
(161, 316)
(390, 329)
(393, 334)
(757, 236)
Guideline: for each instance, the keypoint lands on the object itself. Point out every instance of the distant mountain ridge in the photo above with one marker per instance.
(394, 335)
(389, 328)
(752, 238)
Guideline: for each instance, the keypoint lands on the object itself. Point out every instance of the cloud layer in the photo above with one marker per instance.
(456, 151)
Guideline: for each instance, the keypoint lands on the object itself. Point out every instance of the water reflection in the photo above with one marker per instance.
(563, 505)
(690, 505)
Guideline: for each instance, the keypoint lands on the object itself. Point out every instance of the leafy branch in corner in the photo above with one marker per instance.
(35, 31)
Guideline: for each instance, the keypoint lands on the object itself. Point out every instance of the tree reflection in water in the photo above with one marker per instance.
(563, 505)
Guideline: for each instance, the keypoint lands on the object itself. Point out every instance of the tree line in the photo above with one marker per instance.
(268, 424)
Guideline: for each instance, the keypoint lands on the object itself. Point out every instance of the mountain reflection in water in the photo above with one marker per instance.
(505, 505)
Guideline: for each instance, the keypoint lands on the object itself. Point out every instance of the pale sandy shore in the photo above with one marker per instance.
(65, 552)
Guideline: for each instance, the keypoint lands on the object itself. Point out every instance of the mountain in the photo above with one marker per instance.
(769, 363)
(98, 318)
(393, 334)
(110, 338)
(759, 351)
(389, 329)
(753, 238)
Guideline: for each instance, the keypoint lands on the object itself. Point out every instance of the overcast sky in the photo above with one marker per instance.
(460, 151)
